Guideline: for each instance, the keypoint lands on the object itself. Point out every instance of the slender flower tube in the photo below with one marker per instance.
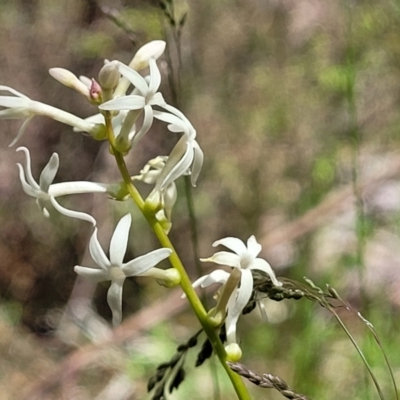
(45, 191)
(115, 270)
(245, 260)
(20, 106)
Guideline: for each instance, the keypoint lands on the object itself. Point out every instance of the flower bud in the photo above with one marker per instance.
(152, 49)
(172, 278)
(95, 92)
(109, 76)
(67, 78)
(233, 352)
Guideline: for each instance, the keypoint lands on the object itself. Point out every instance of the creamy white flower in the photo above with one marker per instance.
(244, 259)
(115, 270)
(186, 155)
(45, 191)
(143, 98)
(20, 106)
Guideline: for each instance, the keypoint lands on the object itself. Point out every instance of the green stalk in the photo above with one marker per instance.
(175, 261)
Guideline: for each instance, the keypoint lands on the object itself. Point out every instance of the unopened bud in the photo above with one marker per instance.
(233, 352)
(109, 76)
(95, 92)
(67, 78)
(152, 49)
(172, 278)
(98, 132)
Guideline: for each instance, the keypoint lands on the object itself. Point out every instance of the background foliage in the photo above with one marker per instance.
(290, 99)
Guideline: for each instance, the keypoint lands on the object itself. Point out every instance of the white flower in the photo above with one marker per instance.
(143, 98)
(186, 154)
(20, 106)
(45, 191)
(245, 260)
(115, 270)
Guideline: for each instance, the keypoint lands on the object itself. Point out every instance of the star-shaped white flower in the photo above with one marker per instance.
(144, 97)
(115, 270)
(244, 259)
(20, 106)
(186, 155)
(45, 191)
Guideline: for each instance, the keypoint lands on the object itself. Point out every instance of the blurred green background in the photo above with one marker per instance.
(296, 106)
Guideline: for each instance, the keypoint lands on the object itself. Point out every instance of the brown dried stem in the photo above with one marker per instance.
(267, 381)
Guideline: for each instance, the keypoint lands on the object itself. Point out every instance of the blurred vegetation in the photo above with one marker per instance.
(296, 104)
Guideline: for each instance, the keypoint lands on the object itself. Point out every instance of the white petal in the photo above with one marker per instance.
(178, 113)
(233, 244)
(177, 164)
(21, 131)
(197, 162)
(28, 171)
(14, 113)
(97, 252)
(25, 186)
(147, 122)
(225, 258)
(114, 299)
(231, 320)
(131, 102)
(253, 247)
(175, 123)
(143, 263)
(263, 265)
(72, 214)
(135, 78)
(92, 274)
(244, 292)
(43, 204)
(119, 240)
(155, 76)
(236, 304)
(170, 196)
(49, 172)
(13, 91)
(153, 49)
(156, 99)
(217, 276)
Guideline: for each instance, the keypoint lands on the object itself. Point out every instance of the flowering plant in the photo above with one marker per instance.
(126, 105)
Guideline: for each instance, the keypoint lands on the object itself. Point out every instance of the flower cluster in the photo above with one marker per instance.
(116, 120)
(117, 117)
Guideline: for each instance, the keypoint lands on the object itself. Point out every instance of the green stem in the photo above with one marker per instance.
(186, 284)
